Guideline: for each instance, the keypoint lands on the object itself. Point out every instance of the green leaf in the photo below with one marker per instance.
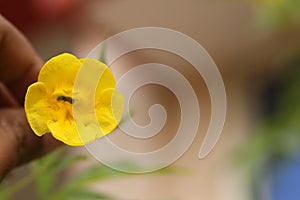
(91, 174)
(3, 194)
(102, 56)
(47, 170)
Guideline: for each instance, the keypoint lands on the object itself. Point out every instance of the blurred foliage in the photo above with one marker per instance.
(277, 139)
(47, 174)
(279, 134)
(273, 14)
(51, 183)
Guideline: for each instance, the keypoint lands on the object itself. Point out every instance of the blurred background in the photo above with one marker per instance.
(256, 46)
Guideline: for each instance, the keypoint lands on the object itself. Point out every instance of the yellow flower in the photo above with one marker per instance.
(50, 102)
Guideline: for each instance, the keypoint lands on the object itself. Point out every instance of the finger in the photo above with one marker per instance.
(18, 144)
(19, 64)
(6, 99)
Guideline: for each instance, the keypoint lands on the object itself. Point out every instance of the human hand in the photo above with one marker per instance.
(19, 67)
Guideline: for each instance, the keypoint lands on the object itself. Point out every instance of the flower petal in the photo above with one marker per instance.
(109, 109)
(67, 132)
(37, 108)
(97, 71)
(60, 71)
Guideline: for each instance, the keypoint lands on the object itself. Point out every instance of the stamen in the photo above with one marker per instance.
(67, 99)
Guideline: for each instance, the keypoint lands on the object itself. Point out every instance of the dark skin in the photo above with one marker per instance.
(19, 67)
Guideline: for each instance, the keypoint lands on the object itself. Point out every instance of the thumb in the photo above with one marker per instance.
(17, 141)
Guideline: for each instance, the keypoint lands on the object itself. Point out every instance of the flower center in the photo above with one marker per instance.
(65, 99)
